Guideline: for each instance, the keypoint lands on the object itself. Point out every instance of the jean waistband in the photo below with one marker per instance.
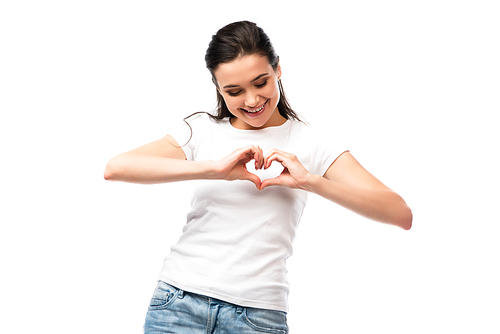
(207, 299)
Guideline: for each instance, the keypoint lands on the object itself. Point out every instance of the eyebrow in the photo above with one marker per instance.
(256, 78)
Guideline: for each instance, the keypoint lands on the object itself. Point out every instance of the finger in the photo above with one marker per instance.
(261, 158)
(250, 150)
(276, 151)
(246, 154)
(273, 157)
(242, 154)
(258, 157)
(270, 182)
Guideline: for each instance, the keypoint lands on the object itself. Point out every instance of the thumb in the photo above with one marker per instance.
(252, 178)
(270, 182)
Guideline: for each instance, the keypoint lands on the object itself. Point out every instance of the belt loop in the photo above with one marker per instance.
(181, 294)
(239, 309)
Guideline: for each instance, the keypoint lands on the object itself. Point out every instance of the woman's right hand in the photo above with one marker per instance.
(233, 167)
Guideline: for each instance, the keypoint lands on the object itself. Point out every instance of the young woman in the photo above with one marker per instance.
(227, 272)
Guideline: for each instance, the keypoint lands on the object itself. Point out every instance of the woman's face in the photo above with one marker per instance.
(249, 86)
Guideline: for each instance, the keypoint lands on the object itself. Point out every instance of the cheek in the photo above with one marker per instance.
(234, 102)
(273, 91)
(275, 87)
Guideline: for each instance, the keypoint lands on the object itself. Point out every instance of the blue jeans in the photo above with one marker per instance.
(176, 311)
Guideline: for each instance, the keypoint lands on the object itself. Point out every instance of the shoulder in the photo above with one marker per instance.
(317, 145)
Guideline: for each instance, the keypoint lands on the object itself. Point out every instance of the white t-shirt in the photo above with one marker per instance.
(237, 239)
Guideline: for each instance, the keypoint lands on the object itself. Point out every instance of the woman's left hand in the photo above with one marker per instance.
(294, 174)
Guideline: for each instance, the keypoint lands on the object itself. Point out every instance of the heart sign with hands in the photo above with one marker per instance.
(269, 173)
(250, 164)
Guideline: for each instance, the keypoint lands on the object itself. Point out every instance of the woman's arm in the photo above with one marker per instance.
(164, 161)
(350, 185)
(346, 183)
(157, 162)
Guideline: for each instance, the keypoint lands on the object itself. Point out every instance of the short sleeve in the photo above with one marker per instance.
(326, 156)
(323, 149)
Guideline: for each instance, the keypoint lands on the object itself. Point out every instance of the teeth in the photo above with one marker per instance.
(256, 110)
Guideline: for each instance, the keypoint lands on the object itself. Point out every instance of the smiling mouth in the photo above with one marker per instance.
(255, 111)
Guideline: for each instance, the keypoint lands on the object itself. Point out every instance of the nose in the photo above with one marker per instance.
(251, 99)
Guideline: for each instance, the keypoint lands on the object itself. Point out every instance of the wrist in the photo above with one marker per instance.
(312, 182)
(210, 170)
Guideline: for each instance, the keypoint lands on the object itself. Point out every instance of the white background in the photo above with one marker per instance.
(410, 87)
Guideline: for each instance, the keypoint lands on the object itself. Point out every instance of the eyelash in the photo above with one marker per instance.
(238, 93)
